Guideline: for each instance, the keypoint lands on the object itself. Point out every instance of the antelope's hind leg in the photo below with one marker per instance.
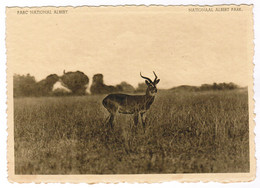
(136, 118)
(112, 112)
(110, 120)
(143, 117)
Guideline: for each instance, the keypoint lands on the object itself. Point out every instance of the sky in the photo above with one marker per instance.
(183, 48)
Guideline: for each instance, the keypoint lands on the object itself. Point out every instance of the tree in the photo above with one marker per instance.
(44, 87)
(75, 81)
(231, 85)
(24, 86)
(141, 87)
(125, 87)
(98, 86)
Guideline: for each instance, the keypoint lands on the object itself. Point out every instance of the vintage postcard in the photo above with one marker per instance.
(130, 94)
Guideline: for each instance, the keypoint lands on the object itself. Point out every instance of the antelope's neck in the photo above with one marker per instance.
(148, 100)
(148, 96)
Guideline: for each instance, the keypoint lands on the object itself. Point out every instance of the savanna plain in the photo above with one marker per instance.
(186, 132)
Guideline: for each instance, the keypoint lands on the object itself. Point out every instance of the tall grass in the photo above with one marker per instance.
(186, 132)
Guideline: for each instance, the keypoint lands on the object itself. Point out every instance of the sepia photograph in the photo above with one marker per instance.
(150, 93)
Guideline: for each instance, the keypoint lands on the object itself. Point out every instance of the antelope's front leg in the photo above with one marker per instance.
(143, 117)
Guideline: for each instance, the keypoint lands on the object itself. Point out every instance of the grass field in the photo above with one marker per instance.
(187, 132)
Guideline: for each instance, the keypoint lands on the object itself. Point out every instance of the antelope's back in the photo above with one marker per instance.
(114, 98)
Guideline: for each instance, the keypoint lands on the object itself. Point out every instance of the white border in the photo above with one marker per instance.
(3, 127)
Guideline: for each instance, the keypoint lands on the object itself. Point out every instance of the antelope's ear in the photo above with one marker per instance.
(157, 81)
(147, 83)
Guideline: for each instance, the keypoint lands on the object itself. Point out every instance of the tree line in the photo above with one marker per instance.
(207, 87)
(70, 83)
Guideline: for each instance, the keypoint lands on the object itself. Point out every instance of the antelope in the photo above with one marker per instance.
(131, 104)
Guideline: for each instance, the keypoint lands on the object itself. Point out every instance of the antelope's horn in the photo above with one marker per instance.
(155, 76)
(146, 78)
(63, 71)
